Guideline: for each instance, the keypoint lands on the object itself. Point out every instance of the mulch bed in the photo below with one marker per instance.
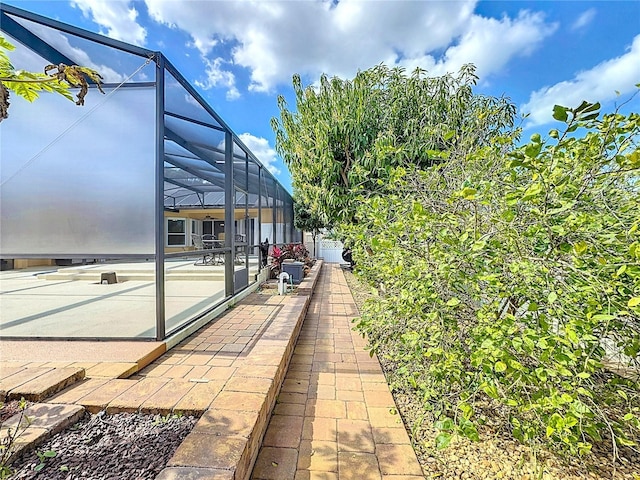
(107, 447)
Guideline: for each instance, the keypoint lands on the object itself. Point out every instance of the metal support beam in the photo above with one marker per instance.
(32, 41)
(274, 216)
(63, 27)
(248, 241)
(159, 220)
(229, 205)
(259, 215)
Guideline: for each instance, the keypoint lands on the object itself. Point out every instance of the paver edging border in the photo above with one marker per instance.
(45, 420)
(270, 348)
(308, 283)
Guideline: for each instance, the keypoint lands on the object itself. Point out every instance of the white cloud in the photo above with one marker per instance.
(598, 84)
(216, 76)
(275, 39)
(489, 43)
(584, 20)
(116, 17)
(262, 150)
(189, 99)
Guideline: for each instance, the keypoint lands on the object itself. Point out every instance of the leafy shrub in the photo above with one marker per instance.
(293, 251)
(508, 277)
(509, 283)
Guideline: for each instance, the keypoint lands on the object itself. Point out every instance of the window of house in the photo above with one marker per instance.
(176, 232)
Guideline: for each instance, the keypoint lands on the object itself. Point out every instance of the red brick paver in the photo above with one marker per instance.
(335, 418)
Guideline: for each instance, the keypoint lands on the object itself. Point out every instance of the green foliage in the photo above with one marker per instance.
(507, 277)
(508, 280)
(345, 136)
(165, 419)
(306, 220)
(43, 457)
(29, 85)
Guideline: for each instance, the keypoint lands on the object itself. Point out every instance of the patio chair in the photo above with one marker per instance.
(207, 258)
(208, 240)
(196, 241)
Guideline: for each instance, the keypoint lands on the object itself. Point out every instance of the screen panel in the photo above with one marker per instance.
(84, 184)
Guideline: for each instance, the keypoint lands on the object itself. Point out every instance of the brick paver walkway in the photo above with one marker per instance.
(188, 377)
(335, 418)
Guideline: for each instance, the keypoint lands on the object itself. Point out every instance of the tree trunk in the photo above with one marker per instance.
(313, 236)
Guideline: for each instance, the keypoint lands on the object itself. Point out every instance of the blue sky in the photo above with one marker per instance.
(241, 54)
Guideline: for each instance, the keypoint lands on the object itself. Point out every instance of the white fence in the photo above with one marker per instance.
(331, 251)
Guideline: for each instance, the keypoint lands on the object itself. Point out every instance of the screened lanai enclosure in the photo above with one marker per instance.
(131, 216)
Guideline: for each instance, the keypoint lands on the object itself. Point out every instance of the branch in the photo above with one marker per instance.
(32, 80)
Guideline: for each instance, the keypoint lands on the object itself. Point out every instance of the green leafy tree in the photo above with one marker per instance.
(29, 84)
(507, 276)
(345, 135)
(307, 221)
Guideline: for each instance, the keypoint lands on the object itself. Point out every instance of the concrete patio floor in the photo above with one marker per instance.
(70, 302)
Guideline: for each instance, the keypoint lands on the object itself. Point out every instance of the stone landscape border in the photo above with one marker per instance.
(225, 442)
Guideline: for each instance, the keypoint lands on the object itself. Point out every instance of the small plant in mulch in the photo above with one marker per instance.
(122, 445)
(43, 457)
(165, 419)
(7, 443)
